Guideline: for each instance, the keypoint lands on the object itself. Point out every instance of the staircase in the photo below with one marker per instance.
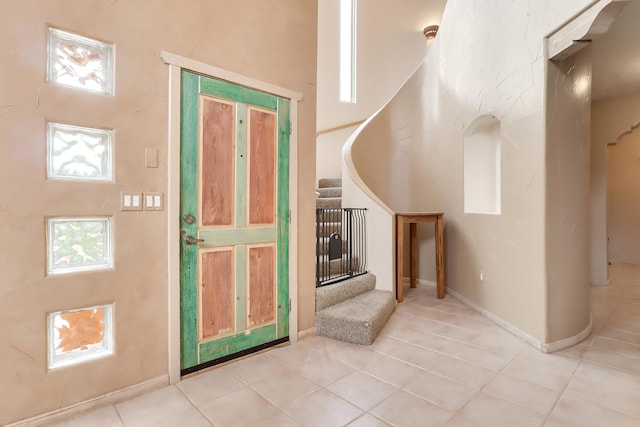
(351, 310)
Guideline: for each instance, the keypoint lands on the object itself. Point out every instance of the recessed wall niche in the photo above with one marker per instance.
(482, 186)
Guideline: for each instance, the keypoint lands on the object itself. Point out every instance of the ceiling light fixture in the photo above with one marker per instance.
(430, 31)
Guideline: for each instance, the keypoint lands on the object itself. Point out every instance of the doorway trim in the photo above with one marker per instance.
(176, 64)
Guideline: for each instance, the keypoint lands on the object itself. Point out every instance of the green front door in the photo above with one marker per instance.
(234, 220)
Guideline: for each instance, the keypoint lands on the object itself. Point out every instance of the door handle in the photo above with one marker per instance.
(190, 240)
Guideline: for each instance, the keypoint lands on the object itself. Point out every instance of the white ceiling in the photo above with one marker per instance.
(616, 55)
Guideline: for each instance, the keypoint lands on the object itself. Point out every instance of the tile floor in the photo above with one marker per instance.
(436, 363)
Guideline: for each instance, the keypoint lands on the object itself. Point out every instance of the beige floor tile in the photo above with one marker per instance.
(490, 411)
(552, 421)
(613, 360)
(525, 394)
(540, 373)
(585, 414)
(164, 407)
(457, 309)
(393, 371)
(616, 346)
(602, 374)
(322, 408)
(457, 333)
(324, 370)
(465, 373)
(103, 417)
(485, 358)
(441, 391)
(243, 407)
(417, 356)
(431, 313)
(279, 420)
(295, 355)
(620, 335)
(206, 386)
(385, 344)
(459, 421)
(284, 388)
(320, 344)
(356, 356)
(439, 343)
(475, 322)
(362, 390)
(608, 394)
(405, 409)
(407, 334)
(500, 343)
(256, 368)
(368, 420)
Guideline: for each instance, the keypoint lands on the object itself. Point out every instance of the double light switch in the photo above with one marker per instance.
(137, 201)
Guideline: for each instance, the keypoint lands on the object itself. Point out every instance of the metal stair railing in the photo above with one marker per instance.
(341, 250)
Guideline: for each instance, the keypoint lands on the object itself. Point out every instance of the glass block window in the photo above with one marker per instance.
(80, 62)
(76, 336)
(78, 244)
(79, 153)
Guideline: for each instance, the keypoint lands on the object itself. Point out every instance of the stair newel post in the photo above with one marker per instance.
(363, 240)
(349, 214)
(318, 234)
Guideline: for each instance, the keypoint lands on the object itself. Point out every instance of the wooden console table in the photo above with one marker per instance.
(413, 218)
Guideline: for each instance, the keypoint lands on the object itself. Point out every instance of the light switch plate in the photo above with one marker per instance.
(131, 201)
(153, 201)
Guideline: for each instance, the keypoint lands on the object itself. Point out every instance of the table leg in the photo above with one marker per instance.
(399, 255)
(413, 253)
(440, 257)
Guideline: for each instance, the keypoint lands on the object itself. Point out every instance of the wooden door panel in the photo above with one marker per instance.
(217, 292)
(262, 283)
(262, 174)
(217, 185)
(233, 219)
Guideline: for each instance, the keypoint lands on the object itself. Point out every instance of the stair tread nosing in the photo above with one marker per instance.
(329, 202)
(329, 295)
(358, 320)
(330, 192)
(330, 182)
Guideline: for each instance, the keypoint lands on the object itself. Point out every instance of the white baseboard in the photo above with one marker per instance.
(568, 342)
(535, 343)
(306, 333)
(117, 396)
(600, 283)
(420, 282)
(499, 321)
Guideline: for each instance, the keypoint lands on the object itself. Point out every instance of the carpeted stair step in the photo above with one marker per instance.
(337, 267)
(330, 182)
(329, 202)
(330, 192)
(357, 320)
(329, 295)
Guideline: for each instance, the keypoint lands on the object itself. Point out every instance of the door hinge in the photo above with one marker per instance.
(289, 216)
(290, 129)
(289, 305)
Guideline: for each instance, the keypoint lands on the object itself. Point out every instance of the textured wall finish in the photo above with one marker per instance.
(488, 59)
(274, 42)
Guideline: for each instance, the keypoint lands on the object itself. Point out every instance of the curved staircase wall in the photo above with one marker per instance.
(409, 157)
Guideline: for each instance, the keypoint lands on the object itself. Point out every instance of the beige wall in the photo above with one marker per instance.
(612, 119)
(488, 59)
(623, 201)
(390, 46)
(567, 196)
(271, 41)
